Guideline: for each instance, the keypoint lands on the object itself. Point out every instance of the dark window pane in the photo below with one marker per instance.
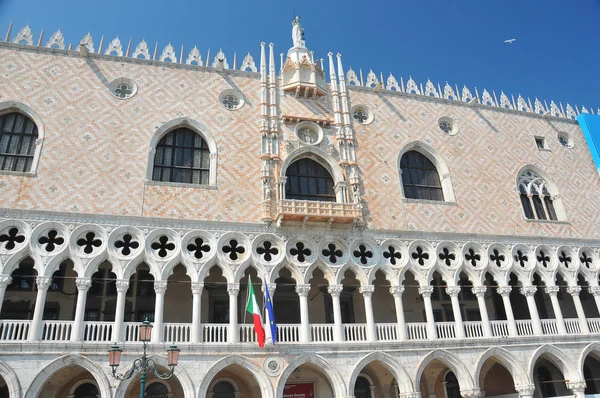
(527, 206)
(539, 207)
(550, 208)
(17, 142)
(420, 177)
(308, 180)
(182, 156)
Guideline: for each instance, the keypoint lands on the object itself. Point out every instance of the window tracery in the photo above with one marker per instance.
(18, 135)
(536, 200)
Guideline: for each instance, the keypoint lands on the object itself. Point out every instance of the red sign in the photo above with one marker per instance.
(300, 390)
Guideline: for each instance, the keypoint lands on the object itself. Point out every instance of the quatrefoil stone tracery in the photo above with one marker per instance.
(586, 260)
(332, 253)
(233, 249)
(163, 246)
(521, 258)
(51, 241)
(267, 250)
(89, 242)
(420, 255)
(12, 237)
(564, 259)
(472, 257)
(363, 254)
(126, 244)
(198, 247)
(447, 256)
(300, 252)
(392, 254)
(543, 258)
(497, 257)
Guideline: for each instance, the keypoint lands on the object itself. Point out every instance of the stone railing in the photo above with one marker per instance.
(316, 211)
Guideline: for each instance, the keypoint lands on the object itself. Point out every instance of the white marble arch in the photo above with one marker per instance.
(593, 347)
(459, 369)
(439, 163)
(11, 379)
(35, 389)
(405, 384)
(19, 107)
(557, 357)
(180, 373)
(198, 128)
(506, 359)
(329, 371)
(257, 373)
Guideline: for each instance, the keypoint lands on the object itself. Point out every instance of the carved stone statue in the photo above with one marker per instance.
(298, 33)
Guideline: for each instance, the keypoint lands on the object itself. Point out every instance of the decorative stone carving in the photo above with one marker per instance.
(83, 283)
(411, 86)
(372, 80)
(576, 386)
(453, 291)
(552, 290)
(486, 98)
(168, 53)
(466, 94)
(25, 35)
(392, 83)
(570, 112)
(273, 366)
(298, 34)
(528, 291)
(302, 290)
(197, 287)
(554, 111)
(141, 49)
(504, 101)
(114, 46)
(160, 287)
(426, 291)
(397, 290)
(430, 89)
(539, 107)
(449, 92)
(479, 291)
(522, 104)
(87, 42)
(220, 57)
(57, 40)
(5, 280)
(194, 56)
(335, 290)
(248, 63)
(366, 290)
(352, 78)
(122, 285)
(472, 393)
(233, 289)
(574, 290)
(43, 282)
(526, 389)
(504, 291)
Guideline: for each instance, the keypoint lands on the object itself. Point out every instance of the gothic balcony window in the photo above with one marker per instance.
(18, 135)
(182, 156)
(420, 177)
(536, 199)
(308, 180)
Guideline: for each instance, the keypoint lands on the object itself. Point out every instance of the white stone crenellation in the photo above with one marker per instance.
(448, 92)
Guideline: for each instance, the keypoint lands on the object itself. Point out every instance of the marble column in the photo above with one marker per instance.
(471, 393)
(595, 290)
(504, 291)
(338, 327)
(118, 332)
(197, 288)
(397, 291)
(425, 292)
(43, 283)
(525, 390)
(552, 291)
(83, 285)
(479, 292)
(160, 287)
(367, 292)
(453, 292)
(574, 292)
(233, 334)
(529, 292)
(5, 280)
(302, 291)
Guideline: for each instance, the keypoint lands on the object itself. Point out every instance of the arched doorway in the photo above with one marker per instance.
(155, 387)
(310, 380)
(549, 380)
(234, 381)
(71, 381)
(439, 380)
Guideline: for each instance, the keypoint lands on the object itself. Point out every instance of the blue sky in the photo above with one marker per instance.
(556, 54)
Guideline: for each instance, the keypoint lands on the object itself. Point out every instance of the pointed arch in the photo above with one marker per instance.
(593, 347)
(189, 391)
(196, 127)
(329, 371)
(389, 273)
(456, 366)
(558, 358)
(516, 369)
(19, 107)
(11, 379)
(257, 373)
(15, 259)
(205, 271)
(241, 270)
(45, 374)
(405, 384)
(438, 162)
(531, 180)
(294, 270)
(360, 274)
(327, 273)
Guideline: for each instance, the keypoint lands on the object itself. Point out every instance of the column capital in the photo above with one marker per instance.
(504, 291)
(160, 287)
(197, 287)
(426, 291)
(83, 284)
(574, 290)
(595, 290)
(471, 393)
(528, 291)
(272, 287)
(233, 289)
(397, 291)
(525, 389)
(122, 285)
(576, 386)
(453, 291)
(479, 291)
(552, 290)
(5, 280)
(302, 290)
(335, 290)
(43, 282)
(366, 290)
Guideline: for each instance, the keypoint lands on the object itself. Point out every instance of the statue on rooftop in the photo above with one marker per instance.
(298, 33)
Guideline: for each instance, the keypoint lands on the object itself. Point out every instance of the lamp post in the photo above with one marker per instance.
(143, 364)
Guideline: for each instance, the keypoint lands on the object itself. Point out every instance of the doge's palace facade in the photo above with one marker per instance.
(417, 240)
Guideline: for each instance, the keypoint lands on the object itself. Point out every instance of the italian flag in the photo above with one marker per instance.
(254, 309)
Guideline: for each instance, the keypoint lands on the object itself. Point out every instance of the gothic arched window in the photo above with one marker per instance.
(535, 198)
(157, 390)
(223, 389)
(308, 180)
(18, 134)
(452, 386)
(87, 390)
(183, 156)
(420, 177)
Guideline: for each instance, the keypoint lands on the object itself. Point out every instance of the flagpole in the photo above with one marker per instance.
(247, 298)
(266, 317)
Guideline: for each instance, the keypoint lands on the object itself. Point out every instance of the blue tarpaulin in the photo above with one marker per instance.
(590, 125)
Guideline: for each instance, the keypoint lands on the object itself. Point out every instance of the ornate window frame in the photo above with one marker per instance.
(19, 107)
(440, 165)
(198, 128)
(559, 209)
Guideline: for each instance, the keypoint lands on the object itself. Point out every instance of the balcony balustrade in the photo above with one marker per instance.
(315, 211)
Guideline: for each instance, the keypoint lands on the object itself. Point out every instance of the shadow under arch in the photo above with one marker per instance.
(11, 380)
(405, 384)
(593, 347)
(456, 366)
(517, 370)
(65, 361)
(180, 373)
(255, 371)
(333, 376)
(556, 357)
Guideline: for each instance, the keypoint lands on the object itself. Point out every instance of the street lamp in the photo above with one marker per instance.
(143, 364)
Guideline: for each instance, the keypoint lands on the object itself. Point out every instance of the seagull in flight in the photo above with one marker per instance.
(510, 41)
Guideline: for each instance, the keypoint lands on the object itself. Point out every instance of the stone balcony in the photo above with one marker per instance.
(289, 210)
